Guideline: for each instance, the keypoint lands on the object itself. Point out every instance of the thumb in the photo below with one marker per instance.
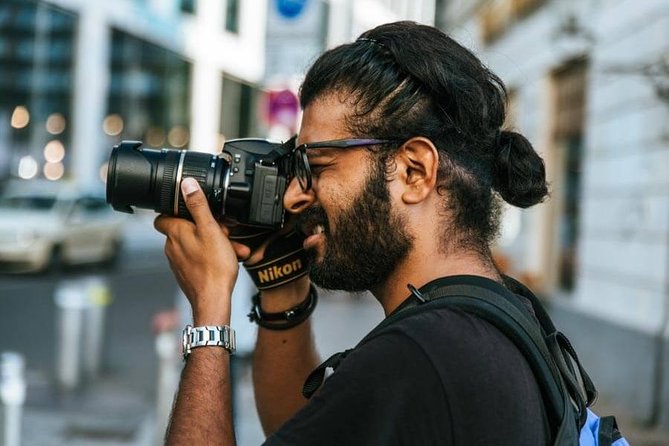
(195, 200)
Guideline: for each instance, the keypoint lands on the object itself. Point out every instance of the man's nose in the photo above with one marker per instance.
(296, 200)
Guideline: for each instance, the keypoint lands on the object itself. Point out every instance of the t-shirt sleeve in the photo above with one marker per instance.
(372, 399)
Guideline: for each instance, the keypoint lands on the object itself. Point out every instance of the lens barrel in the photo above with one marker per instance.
(150, 178)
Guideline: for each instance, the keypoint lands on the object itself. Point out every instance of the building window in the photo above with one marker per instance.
(149, 94)
(239, 109)
(36, 77)
(232, 16)
(523, 8)
(247, 111)
(187, 6)
(568, 135)
(497, 16)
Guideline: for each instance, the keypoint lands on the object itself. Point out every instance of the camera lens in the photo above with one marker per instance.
(150, 178)
(244, 184)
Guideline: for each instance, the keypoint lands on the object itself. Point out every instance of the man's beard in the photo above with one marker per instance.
(369, 242)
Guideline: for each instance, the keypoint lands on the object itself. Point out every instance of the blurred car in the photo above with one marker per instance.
(44, 228)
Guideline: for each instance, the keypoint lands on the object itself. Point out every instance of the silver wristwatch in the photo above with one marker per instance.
(206, 336)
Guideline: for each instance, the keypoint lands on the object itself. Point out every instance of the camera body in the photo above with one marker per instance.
(244, 184)
(258, 178)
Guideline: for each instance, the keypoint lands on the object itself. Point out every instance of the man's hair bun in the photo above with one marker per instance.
(519, 174)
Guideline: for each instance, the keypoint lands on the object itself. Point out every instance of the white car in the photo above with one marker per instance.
(46, 228)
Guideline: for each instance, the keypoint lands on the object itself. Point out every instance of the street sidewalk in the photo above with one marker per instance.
(105, 412)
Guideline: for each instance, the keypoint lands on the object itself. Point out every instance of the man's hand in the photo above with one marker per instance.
(205, 265)
(202, 258)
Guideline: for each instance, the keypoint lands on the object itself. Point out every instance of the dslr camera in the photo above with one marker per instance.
(244, 184)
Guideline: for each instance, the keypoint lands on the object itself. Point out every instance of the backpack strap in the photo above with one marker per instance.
(508, 315)
(576, 378)
(608, 431)
(315, 378)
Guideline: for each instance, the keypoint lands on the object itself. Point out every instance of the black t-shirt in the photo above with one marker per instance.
(438, 377)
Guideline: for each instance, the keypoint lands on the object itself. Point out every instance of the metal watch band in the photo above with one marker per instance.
(208, 336)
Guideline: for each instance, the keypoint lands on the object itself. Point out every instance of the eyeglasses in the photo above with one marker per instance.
(300, 162)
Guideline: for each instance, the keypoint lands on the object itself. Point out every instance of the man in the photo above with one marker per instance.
(398, 167)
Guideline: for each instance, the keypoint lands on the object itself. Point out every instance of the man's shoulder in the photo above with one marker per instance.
(440, 322)
(446, 336)
(436, 319)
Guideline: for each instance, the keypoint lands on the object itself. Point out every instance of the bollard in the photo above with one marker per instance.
(71, 303)
(12, 394)
(98, 298)
(82, 306)
(169, 368)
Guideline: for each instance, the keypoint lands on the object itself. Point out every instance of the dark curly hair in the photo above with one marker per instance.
(406, 79)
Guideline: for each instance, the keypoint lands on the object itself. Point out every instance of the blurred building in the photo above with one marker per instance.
(349, 18)
(77, 76)
(298, 31)
(589, 85)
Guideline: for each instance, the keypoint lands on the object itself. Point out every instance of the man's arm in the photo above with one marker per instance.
(282, 359)
(205, 265)
(202, 410)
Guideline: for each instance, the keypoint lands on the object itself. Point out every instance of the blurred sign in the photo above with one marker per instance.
(295, 36)
(282, 108)
(290, 8)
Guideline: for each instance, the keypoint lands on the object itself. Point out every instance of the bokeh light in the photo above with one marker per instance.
(55, 123)
(20, 117)
(27, 167)
(178, 136)
(53, 171)
(54, 151)
(103, 172)
(155, 136)
(113, 124)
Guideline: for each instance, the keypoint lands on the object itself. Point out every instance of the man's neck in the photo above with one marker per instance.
(418, 270)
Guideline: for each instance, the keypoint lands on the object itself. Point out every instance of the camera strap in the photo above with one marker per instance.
(285, 260)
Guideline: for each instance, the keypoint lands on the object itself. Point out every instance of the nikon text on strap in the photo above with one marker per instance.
(285, 260)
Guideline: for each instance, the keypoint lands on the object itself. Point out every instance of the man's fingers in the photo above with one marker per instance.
(196, 202)
(242, 251)
(161, 223)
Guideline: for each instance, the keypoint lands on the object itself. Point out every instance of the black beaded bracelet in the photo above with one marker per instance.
(283, 320)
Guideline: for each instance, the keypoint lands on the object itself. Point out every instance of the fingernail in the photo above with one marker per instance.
(189, 185)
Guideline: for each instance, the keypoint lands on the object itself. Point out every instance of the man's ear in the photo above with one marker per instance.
(417, 165)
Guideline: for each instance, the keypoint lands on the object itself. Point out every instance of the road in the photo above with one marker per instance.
(140, 286)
